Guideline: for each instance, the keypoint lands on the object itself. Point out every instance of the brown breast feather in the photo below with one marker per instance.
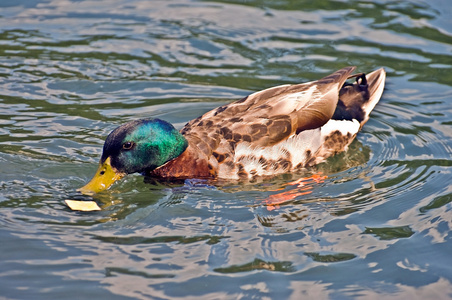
(192, 163)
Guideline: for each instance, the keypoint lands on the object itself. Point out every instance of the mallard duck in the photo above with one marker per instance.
(273, 131)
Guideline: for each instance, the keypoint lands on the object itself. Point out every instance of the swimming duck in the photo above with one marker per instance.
(273, 131)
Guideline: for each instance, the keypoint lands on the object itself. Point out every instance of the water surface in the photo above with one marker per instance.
(374, 222)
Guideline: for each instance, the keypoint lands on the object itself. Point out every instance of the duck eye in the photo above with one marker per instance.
(127, 145)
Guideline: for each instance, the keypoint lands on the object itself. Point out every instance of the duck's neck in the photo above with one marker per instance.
(192, 163)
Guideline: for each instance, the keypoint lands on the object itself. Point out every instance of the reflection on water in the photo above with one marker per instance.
(372, 222)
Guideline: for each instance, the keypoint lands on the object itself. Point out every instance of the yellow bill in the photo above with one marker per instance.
(105, 176)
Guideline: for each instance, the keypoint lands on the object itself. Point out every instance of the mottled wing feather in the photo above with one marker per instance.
(317, 113)
(269, 116)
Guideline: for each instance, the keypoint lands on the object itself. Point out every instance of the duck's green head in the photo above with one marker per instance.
(137, 146)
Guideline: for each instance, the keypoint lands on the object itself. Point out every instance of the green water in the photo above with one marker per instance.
(377, 227)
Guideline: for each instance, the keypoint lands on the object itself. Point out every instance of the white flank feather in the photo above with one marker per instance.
(296, 146)
(343, 126)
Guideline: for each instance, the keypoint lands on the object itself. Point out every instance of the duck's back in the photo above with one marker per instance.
(279, 129)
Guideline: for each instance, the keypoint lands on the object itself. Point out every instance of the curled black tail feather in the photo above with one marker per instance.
(357, 99)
